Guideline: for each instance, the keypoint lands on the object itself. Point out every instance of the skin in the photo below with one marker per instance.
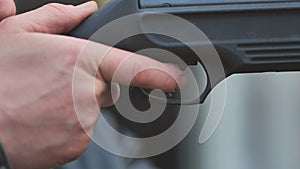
(39, 127)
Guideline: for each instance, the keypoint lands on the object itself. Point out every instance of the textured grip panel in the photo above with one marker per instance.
(272, 51)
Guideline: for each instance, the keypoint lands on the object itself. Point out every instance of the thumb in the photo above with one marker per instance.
(53, 18)
(7, 8)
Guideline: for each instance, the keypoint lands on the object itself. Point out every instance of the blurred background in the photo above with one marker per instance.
(259, 129)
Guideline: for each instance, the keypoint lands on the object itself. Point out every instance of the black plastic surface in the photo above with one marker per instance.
(186, 3)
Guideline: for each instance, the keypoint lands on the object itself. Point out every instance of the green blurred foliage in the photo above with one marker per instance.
(101, 2)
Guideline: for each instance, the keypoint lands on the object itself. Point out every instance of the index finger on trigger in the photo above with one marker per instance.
(131, 69)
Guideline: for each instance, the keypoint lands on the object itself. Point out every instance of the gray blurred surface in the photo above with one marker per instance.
(97, 158)
(260, 128)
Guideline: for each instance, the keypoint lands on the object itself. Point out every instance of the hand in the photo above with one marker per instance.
(39, 127)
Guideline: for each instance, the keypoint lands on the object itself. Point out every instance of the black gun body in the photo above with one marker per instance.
(258, 36)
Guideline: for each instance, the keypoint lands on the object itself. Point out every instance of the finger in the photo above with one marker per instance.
(53, 18)
(128, 68)
(141, 71)
(7, 8)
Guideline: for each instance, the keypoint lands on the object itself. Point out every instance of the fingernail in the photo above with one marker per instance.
(91, 5)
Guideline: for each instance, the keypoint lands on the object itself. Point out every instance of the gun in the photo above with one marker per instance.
(249, 35)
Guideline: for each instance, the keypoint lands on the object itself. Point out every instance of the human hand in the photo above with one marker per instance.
(39, 127)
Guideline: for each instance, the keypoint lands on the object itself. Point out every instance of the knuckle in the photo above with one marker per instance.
(167, 83)
(101, 87)
(59, 12)
(55, 9)
(138, 79)
(138, 74)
